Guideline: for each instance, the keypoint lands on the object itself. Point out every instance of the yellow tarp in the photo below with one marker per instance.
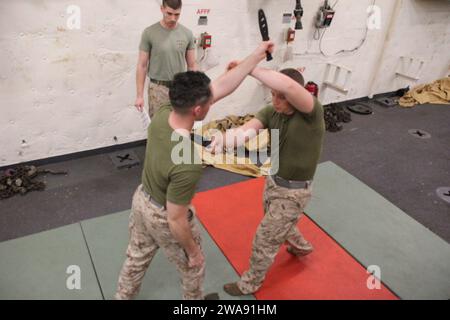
(232, 162)
(437, 92)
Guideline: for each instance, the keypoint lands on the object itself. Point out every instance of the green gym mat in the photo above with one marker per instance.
(36, 267)
(414, 262)
(107, 238)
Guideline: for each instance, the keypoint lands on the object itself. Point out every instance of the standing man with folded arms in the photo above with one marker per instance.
(166, 48)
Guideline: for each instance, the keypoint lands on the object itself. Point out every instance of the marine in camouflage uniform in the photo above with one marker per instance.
(163, 181)
(288, 191)
(166, 48)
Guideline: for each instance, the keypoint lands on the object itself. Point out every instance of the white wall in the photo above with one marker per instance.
(64, 91)
(422, 31)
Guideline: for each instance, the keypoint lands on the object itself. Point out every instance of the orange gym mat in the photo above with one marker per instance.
(231, 215)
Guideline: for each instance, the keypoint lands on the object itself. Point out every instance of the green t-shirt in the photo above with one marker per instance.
(301, 138)
(163, 178)
(167, 50)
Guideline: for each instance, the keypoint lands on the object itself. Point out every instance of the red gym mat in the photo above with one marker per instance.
(231, 215)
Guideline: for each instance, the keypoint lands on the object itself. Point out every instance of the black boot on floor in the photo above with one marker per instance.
(232, 289)
(212, 296)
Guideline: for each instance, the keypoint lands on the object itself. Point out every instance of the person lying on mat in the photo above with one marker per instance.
(162, 215)
(299, 118)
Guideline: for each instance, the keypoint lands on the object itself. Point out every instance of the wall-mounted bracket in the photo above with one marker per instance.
(341, 77)
(410, 68)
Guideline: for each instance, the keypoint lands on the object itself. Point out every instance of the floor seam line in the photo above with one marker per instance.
(92, 261)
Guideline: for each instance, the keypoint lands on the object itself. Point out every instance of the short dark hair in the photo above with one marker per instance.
(295, 75)
(189, 89)
(174, 4)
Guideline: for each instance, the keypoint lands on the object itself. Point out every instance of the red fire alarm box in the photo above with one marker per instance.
(290, 35)
(313, 88)
(205, 40)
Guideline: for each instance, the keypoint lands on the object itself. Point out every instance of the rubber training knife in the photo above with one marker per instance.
(264, 30)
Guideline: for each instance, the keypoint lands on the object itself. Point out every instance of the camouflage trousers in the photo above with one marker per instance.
(149, 231)
(282, 210)
(158, 96)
